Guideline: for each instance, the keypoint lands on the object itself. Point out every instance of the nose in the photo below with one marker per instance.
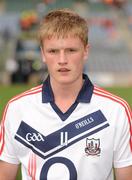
(62, 58)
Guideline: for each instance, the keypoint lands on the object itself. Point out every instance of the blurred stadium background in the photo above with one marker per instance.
(110, 33)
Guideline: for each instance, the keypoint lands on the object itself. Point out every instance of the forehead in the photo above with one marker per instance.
(55, 42)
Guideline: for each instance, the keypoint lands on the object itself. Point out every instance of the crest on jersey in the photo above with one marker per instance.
(92, 147)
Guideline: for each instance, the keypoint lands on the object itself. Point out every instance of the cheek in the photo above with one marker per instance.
(48, 60)
(79, 60)
(50, 64)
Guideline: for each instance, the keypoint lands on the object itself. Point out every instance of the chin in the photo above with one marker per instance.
(66, 81)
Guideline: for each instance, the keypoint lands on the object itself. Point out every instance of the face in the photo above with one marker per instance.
(65, 58)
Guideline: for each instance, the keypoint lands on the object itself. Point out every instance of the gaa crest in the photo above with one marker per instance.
(92, 147)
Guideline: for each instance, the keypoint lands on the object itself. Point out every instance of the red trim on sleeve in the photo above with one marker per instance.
(32, 91)
(100, 92)
(32, 166)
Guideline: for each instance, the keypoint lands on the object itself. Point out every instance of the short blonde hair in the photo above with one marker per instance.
(62, 23)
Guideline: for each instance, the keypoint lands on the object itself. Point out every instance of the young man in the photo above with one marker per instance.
(66, 129)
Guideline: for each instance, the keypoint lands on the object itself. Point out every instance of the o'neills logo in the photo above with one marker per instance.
(34, 137)
(84, 122)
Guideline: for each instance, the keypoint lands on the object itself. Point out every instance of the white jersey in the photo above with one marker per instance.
(85, 143)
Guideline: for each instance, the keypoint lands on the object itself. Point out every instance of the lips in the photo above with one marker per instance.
(63, 70)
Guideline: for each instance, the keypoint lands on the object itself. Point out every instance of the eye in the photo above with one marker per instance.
(71, 50)
(52, 51)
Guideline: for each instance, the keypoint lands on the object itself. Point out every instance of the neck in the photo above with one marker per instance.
(66, 90)
(66, 94)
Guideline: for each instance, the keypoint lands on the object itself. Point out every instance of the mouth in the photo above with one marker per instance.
(63, 70)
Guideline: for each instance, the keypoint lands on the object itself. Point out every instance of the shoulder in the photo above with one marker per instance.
(21, 101)
(110, 99)
(24, 98)
(26, 94)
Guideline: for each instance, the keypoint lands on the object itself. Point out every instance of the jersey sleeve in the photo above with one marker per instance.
(7, 146)
(123, 138)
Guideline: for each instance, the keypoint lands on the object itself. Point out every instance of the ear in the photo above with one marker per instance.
(42, 54)
(86, 52)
